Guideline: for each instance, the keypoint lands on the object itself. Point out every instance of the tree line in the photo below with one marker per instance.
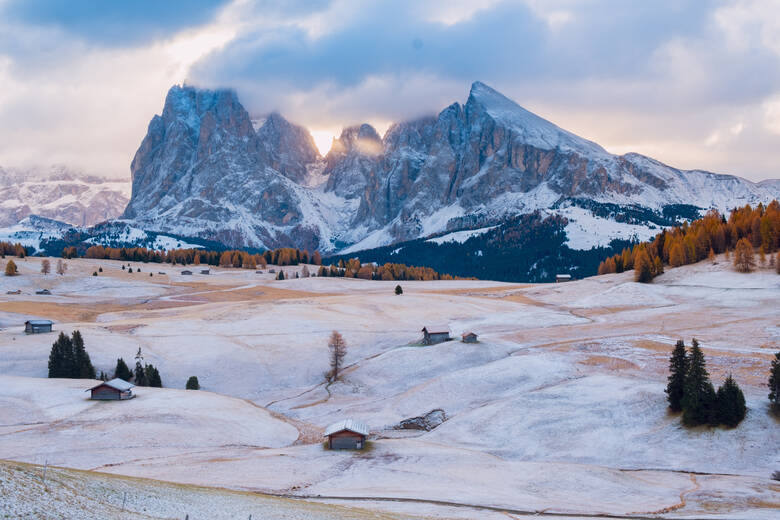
(196, 256)
(11, 249)
(352, 268)
(746, 229)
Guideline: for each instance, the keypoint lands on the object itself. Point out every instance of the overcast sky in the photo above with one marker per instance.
(693, 83)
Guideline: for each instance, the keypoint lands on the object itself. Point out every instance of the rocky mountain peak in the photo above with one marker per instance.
(203, 169)
(287, 148)
(359, 139)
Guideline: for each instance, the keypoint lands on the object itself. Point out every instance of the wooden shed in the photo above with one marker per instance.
(114, 390)
(186, 272)
(468, 337)
(205, 271)
(347, 435)
(37, 326)
(430, 337)
(559, 278)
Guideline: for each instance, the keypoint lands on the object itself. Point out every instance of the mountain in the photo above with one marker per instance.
(61, 194)
(207, 169)
(204, 170)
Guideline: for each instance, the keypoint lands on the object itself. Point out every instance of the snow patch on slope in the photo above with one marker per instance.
(460, 236)
(586, 230)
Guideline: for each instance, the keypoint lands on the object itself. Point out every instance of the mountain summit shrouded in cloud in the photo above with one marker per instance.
(206, 169)
(692, 83)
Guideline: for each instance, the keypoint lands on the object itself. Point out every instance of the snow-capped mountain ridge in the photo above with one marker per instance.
(207, 169)
(60, 194)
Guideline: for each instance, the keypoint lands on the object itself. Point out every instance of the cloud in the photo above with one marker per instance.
(671, 78)
(573, 61)
(113, 23)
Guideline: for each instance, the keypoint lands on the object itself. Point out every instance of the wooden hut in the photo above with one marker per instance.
(37, 326)
(204, 271)
(114, 390)
(430, 337)
(560, 278)
(347, 435)
(468, 337)
(186, 272)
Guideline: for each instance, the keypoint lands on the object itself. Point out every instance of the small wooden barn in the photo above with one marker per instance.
(43, 291)
(430, 337)
(347, 435)
(37, 326)
(114, 390)
(468, 337)
(204, 271)
(186, 272)
(559, 278)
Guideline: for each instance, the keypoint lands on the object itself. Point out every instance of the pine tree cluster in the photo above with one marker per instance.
(69, 358)
(774, 384)
(690, 391)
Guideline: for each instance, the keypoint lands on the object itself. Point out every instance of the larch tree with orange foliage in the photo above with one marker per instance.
(744, 259)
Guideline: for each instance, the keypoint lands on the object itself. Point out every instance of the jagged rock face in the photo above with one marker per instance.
(203, 170)
(287, 148)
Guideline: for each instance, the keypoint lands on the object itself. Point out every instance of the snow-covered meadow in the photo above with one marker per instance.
(559, 407)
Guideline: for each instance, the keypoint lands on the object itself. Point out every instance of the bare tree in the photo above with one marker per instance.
(305, 272)
(338, 350)
(45, 266)
(61, 267)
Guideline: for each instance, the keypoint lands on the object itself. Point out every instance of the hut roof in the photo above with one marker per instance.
(469, 333)
(347, 424)
(116, 383)
(40, 322)
(438, 329)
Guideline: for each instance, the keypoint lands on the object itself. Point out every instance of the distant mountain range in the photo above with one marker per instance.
(61, 194)
(207, 169)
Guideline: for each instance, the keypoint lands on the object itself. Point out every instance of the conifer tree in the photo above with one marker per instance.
(774, 383)
(139, 376)
(699, 396)
(399, 290)
(11, 269)
(730, 403)
(643, 268)
(338, 350)
(744, 260)
(122, 371)
(83, 368)
(192, 383)
(152, 376)
(678, 367)
(59, 357)
(280, 276)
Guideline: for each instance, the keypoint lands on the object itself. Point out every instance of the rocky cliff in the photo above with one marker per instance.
(204, 169)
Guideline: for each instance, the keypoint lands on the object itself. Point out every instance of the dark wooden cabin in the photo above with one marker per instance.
(37, 326)
(431, 337)
(468, 337)
(346, 435)
(114, 390)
